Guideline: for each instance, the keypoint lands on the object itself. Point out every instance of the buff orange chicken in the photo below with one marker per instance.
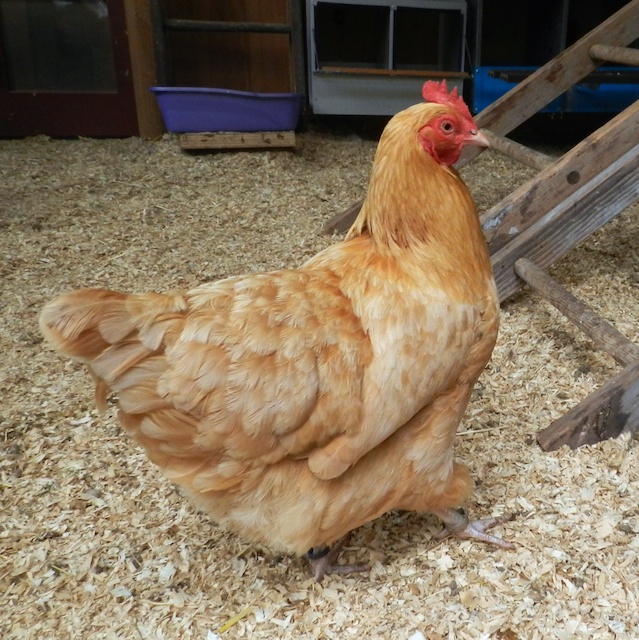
(296, 405)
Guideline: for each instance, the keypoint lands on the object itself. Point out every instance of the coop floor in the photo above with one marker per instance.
(94, 543)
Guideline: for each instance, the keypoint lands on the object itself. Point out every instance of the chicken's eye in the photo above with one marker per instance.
(447, 126)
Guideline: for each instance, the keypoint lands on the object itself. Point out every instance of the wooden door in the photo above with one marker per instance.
(242, 61)
(65, 69)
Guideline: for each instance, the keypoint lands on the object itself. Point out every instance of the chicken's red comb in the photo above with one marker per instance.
(438, 92)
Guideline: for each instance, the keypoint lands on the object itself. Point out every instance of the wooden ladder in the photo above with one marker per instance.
(566, 202)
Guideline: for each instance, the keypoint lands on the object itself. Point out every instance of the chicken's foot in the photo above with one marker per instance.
(457, 524)
(323, 561)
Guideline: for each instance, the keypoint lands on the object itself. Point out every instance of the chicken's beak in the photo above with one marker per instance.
(477, 138)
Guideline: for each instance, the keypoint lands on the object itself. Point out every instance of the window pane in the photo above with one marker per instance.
(57, 45)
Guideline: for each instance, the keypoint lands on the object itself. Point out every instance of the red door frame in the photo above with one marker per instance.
(70, 114)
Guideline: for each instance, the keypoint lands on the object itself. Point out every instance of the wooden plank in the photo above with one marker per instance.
(370, 71)
(619, 55)
(341, 222)
(534, 199)
(518, 151)
(143, 67)
(237, 140)
(573, 220)
(176, 24)
(298, 48)
(607, 413)
(603, 334)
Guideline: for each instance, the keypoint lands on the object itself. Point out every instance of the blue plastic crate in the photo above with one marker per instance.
(582, 98)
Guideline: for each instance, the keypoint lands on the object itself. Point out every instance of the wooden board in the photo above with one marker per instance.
(232, 140)
(561, 180)
(572, 221)
(607, 413)
(418, 73)
(517, 151)
(143, 65)
(614, 408)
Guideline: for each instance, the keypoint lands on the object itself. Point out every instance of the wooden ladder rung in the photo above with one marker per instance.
(603, 334)
(612, 409)
(175, 24)
(518, 151)
(374, 71)
(619, 55)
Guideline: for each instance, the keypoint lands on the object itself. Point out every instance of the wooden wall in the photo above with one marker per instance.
(243, 61)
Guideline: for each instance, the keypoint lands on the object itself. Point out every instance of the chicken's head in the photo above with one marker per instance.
(451, 127)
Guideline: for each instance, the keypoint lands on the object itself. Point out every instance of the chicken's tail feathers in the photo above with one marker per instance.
(71, 322)
(82, 324)
(121, 337)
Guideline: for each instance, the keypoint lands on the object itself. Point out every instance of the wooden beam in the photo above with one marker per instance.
(141, 36)
(607, 413)
(570, 222)
(237, 140)
(174, 24)
(603, 334)
(298, 48)
(558, 182)
(341, 222)
(370, 71)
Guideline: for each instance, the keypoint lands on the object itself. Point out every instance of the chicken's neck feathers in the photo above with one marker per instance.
(414, 203)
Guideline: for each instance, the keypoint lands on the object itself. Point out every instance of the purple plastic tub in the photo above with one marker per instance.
(198, 110)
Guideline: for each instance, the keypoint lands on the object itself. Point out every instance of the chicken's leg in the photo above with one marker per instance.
(457, 524)
(323, 561)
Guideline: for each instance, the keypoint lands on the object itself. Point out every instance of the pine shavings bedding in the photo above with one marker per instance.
(94, 543)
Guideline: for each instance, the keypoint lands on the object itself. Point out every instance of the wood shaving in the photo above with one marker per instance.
(94, 543)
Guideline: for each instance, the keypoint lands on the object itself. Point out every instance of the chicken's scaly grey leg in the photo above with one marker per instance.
(323, 561)
(457, 524)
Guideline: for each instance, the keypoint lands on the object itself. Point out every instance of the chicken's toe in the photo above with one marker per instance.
(457, 524)
(323, 561)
